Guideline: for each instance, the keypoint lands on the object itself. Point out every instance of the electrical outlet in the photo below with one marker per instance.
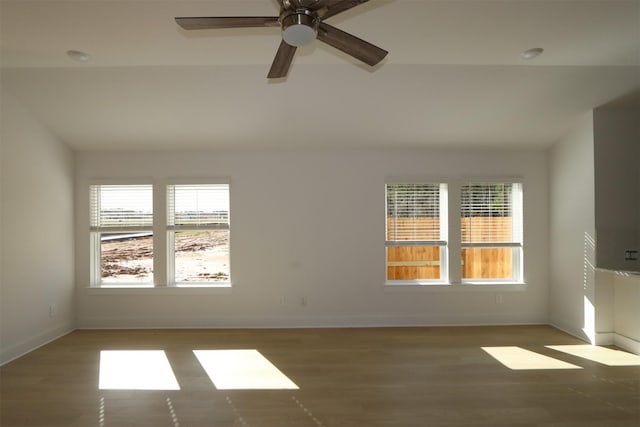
(499, 299)
(303, 301)
(53, 310)
(631, 255)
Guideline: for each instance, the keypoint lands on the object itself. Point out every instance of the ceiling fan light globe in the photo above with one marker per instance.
(299, 35)
(300, 27)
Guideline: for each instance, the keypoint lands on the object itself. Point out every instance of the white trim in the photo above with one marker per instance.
(310, 321)
(120, 181)
(486, 282)
(113, 230)
(509, 179)
(626, 343)
(442, 263)
(197, 181)
(581, 334)
(170, 229)
(413, 263)
(27, 346)
(179, 289)
(492, 245)
(604, 338)
(415, 243)
(612, 338)
(170, 255)
(516, 203)
(418, 179)
(218, 226)
(410, 287)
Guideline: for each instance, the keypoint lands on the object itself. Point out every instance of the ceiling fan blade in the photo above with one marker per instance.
(204, 23)
(351, 45)
(336, 7)
(282, 61)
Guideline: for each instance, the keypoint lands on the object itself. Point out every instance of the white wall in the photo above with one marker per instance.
(37, 255)
(311, 224)
(598, 305)
(572, 232)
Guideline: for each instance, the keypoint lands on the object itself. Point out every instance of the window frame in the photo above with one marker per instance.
(95, 236)
(160, 283)
(171, 229)
(443, 244)
(517, 242)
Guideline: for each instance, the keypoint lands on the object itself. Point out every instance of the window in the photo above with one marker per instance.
(416, 230)
(491, 228)
(121, 234)
(198, 233)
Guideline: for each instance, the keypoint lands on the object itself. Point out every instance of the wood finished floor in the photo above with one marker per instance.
(347, 377)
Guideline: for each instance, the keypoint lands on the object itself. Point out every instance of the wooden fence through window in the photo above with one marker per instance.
(423, 262)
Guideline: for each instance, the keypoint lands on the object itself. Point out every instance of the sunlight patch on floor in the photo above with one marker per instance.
(242, 370)
(517, 358)
(604, 355)
(136, 370)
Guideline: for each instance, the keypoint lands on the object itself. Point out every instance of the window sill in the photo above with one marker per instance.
(492, 283)
(408, 287)
(222, 289)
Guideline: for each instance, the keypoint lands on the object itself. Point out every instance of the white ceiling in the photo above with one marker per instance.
(453, 77)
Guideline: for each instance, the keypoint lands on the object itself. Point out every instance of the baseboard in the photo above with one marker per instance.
(612, 338)
(578, 334)
(18, 350)
(306, 321)
(626, 343)
(605, 338)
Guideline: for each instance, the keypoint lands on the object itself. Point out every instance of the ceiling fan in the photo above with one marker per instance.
(302, 21)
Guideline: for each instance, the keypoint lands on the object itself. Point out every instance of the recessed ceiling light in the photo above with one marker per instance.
(78, 55)
(532, 53)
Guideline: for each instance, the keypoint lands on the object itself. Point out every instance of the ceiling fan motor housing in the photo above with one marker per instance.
(299, 27)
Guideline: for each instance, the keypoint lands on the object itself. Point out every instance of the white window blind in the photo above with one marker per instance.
(413, 213)
(126, 208)
(491, 214)
(200, 206)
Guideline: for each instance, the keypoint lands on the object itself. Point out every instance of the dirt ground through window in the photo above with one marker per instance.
(201, 256)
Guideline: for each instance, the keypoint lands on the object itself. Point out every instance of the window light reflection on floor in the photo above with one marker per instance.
(517, 358)
(242, 370)
(604, 355)
(136, 370)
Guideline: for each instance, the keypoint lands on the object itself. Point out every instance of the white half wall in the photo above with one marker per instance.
(600, 306)
(572, 232)
(617, 216)
(37, 226)
(310, 224)
(627, 312)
